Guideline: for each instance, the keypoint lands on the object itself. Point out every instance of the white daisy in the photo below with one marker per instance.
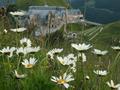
(32, 49)
(29, 63)
(112, 85)
(19, 29)
(21, 50)
(117, 48)
(27, 50)
(100, 72)
(19, 76)
(18, 13)
(87, 77)
(5, 31)
(8, 51)
(52, 52)
(99, 52)
(81, 47)
(67, 60)
(57, 50)
(63, 80)
(25, 41)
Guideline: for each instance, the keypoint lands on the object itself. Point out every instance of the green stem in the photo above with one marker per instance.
(18, 65)
(9, 62)
(82, 71)
(114, 65)
(68, 69)
(100, 62)
(115, 61)
(99, 67)
(116, 58)
(3, 63)
(98, 78)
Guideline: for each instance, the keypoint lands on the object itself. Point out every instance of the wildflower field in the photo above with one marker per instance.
(86, 59)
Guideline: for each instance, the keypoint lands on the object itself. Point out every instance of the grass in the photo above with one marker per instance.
(109, 36)
(23, 4)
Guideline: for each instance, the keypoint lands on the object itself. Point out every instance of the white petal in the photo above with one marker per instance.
(118, 85)
(112, 83)
(66, 85)
(108, 84)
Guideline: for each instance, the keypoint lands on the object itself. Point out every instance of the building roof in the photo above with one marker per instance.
(44, 10)
(46, 7)
(73, 11)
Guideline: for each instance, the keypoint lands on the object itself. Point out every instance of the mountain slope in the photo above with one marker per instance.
(102, 11)
(110, 35)
(23, 4)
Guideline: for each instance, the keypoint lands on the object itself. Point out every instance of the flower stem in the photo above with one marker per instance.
(100, 62)
(116, 58)
(9, 62)
(18, 62)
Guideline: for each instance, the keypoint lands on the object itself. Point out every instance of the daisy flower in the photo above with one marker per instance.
(19, 29)
(25, 41)
(21, 50)
(87, 77)
(19, 76)
(32, 50)
(5, 31)
(63, 80)
(99, 52)
(27, 50)
(112, 85)
(117, 48)
(81, 47)
(8, 51)
(52, 52)
(18, 13)
(67, 60)
(100, 72)
(29, 63)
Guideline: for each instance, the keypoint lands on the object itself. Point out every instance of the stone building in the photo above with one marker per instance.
(49, 19)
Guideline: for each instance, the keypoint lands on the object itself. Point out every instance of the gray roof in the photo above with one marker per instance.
(73, 11)
(44, 10)
(46, 7)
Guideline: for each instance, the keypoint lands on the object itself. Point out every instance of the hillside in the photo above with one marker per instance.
(102, 11)
(23, 4)
(108, 36)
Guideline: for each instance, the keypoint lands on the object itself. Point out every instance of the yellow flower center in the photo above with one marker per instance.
(61, 81)
(29, 66)
(62, 62)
